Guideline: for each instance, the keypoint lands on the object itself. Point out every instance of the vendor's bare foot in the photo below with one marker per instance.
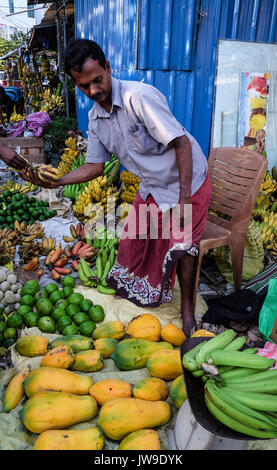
(189, 325)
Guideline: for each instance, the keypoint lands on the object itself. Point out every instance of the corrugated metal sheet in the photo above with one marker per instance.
(165, 48)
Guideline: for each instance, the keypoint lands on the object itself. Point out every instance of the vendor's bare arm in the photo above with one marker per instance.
(10, 157)
(184, 163)
(86, 172)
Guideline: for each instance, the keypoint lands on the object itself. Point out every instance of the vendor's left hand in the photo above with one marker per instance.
(32, 178)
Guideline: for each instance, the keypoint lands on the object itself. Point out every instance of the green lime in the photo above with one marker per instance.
(49, 288)
(24, 309)
(71, 309)
(80, 317)
(64, 321)
(47, 324)
(68, 281)
(67, 290)
(96, 313)
(31, 319)
(30, 287)
(70, 330)
(3, 326)
(44, 307)
(62, 303)
(10, 333)
(85, 305)
(57, 313)
(87, 327)
(55, 296)
(8, 342)
(75, 298)
(15, 321)
(45, 293)
(40, 295)
(27, 300)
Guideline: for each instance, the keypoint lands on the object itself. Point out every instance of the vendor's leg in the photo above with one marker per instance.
(186, 274)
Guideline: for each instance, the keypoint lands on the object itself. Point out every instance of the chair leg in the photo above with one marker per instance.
(197, 276)
(237, 254)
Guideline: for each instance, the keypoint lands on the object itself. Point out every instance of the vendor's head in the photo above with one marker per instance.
(86, 63)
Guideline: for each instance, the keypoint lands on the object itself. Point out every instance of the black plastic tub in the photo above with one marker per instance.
(195, 395)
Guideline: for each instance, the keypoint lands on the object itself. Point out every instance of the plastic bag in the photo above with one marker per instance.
(268, 312)
(253, 261)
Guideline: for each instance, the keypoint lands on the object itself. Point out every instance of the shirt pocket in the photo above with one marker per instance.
(140, 141)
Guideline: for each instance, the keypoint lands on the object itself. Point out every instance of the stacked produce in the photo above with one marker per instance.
(240, 386)
(131, 186)
(12, 186)
(51, 309)
(58, 393)
(70, 154)
(52, 103)
(105, 246)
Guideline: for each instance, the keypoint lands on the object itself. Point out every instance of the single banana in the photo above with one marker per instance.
(239, 359)
(215, 343)
(236, 374)
(236, 344)
(255, 400)
(188, 358)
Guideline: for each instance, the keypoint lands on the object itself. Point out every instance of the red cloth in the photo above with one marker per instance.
(146, 268)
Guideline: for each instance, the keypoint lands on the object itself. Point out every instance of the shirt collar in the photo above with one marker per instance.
(99, 111)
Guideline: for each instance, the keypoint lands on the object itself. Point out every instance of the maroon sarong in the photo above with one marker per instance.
(145, 269)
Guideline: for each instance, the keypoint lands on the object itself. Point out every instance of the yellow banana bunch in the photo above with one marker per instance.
(269, 185)
(28, 187)
(47, 245)
(96, 191)
(16, 117)
(45, 67)
(7, 252)
(11, 186)
(9, 235)
(28, 232)
(52, 103)
(131, 186)
(69, 154)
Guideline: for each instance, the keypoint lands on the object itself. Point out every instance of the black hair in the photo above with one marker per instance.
(78, 51)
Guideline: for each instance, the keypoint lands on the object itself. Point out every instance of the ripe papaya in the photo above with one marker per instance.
(56, 410)
(151, 388)
(172, 334)
(144, 439)
(106, 346)
(88, 361)
(32, 345)
(61, 357)
(178, 391)
(111, 329)
(53, 378)
(145, 326)
(107, 389)
(15, 391)
(131, 354)
(121, 416)
(202, 332)
(166, 365)
(75, 342)
(73, 439)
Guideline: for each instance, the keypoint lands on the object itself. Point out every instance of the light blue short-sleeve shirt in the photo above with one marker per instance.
(139, 130)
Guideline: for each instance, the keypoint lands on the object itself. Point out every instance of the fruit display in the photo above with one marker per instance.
(52, 103)
(15, 207)
(69, 156)
(131, 186)
(12, 186)
(57, 310)
(239, 384)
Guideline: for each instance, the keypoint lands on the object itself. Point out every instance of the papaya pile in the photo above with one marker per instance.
(61, 392)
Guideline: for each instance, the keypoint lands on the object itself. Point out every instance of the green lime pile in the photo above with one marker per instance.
(55, 310)
(16, 206)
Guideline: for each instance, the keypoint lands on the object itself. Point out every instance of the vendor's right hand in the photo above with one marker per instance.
(33, 178)
(11, 158)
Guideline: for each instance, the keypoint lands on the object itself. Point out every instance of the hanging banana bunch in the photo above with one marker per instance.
(131, 186)
(69, 155)
(269, 185)
(52, 104)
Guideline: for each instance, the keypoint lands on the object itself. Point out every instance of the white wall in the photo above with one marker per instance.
(19, 22)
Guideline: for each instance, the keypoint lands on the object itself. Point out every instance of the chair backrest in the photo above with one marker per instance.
(236, 176)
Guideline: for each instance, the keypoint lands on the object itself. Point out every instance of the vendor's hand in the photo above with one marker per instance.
(33, 178)
(11, 158)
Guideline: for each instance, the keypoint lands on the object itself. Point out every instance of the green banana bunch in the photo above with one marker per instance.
(72, 191)
(240, 386)
(106, 249)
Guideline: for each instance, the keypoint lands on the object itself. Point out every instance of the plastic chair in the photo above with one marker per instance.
(236, 175)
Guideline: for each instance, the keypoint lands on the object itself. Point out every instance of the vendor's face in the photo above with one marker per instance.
(95, 81)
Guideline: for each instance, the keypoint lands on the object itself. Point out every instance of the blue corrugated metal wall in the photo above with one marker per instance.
(166, 57)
